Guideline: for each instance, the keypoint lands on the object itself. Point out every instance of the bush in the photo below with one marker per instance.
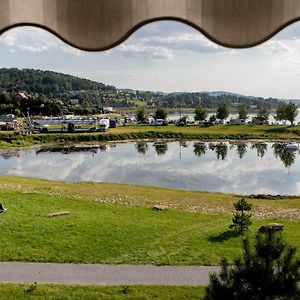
(268, 271)
(242, 217)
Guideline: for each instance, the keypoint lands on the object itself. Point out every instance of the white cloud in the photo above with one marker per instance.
(272, 47)
(153, 53)
(34, 40)
(163, 48)
(195, 42)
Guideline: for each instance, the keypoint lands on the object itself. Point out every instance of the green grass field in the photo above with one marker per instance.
(123, 230)
(138, 103)
(68, 292)
(135, 132)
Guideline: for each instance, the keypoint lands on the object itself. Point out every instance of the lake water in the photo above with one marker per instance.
(242, 168)
(176, 116)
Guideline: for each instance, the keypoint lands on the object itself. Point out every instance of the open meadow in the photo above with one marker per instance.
(115, 224)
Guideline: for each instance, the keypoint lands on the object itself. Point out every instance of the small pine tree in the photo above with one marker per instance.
(241, 220)
(270, 270)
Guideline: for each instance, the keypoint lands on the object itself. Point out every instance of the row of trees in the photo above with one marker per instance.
(142, 117)
(287, 112)
(223, 113)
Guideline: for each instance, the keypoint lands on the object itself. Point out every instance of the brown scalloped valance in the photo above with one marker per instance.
(102, 24)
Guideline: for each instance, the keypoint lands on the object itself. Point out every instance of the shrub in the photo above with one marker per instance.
(241, 220)
(268, 271)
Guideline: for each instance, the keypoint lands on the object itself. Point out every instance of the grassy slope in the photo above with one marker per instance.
(42, 291)
(8, 139)
(97, 232)
(204, 202)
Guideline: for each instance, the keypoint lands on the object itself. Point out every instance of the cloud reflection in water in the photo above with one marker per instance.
(242, 168)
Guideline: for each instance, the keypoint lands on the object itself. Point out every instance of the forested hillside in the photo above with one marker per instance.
(211, 101)
(51, 93)
(45, 82)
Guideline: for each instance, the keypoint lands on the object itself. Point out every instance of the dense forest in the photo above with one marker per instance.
(48, 83)
(51, 93)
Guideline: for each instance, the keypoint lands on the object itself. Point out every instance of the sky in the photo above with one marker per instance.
(166, 56)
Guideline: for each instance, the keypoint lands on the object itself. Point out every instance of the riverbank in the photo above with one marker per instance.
(115, 224)
(137, 132)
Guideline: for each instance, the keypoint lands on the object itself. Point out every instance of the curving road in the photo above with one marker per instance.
(97, 274)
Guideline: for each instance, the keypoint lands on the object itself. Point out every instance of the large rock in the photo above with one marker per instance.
(271, 227)
(159, 207)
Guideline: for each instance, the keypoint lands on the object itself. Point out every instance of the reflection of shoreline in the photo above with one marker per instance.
(17, 152)
(184, 165)
(200, 148)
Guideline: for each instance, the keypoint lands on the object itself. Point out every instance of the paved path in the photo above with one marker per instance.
(105, 274)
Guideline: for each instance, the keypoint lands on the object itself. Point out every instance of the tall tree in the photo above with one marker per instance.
(280, 112)
(263, 114)
(242, 112)
(200, 113)
(141, 116)
(222, 111)
(291, 112)
(161, 114)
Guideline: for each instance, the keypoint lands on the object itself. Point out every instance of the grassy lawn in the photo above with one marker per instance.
(256, 130)
(134, 132)
(97, 232)
(138, 103)
(43, 291)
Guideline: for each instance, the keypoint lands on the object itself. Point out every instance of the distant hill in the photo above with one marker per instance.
(55, 93)
(45, 82)
(222, 93)
(296, 101)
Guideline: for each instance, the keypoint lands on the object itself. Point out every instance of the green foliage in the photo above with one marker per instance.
(291, 112)
(44, 82)
(280, 112)
(94, 95)
(182, 120)
(242, 112)
(222, 111)
(270, 270)
(141, 116)
(242, 217)
(263, 115)
(212, 118)
(287, 111)
(161, 114)
(200, 113)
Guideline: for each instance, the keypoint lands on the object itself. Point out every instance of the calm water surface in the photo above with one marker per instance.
(243, 168)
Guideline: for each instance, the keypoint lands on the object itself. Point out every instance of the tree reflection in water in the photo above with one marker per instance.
(141, 147)
(200, 148)
(241, 149)
(286, 156)
(161, 148)
(261, 149)
(183, 144)
(221, 149)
